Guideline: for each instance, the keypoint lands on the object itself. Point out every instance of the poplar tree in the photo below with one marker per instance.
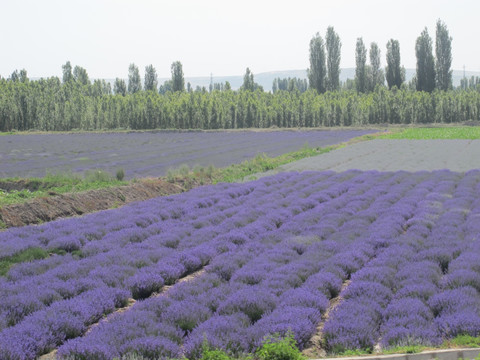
(334, 47)
(377, 76)
(67, 72)
(80, 75)
(120, 87)
(178, 82)
(248, 82)
(443, 52)
(361, 66)
(20, 76)
(317, 71)
(395, 73)
(151, 78)
(134, 82)
(425, 63)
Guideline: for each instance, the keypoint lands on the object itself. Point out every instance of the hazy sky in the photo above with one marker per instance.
(222, 37)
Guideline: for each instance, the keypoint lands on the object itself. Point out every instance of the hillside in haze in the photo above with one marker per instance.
(265, 79)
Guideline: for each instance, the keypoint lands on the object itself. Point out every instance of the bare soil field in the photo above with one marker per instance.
(394, 155)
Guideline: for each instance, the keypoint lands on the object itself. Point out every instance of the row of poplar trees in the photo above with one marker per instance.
(432, 72)
(76, 103)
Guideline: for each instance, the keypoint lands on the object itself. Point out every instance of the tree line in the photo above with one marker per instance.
(431, 72)
(50, 105)
(75, 102)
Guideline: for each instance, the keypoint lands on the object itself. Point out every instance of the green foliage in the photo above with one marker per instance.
(49, 105)
(443, 51)
(59, 183)
(213, 354)
(289, 84)
(178, 82)
(151, 78)
(377, 78)
(277, 348)
(97, 175)
(120, 174)
(317, 72)
(134, 82)
(357, 352)
(249, 83)
(120, 87)
(395, 73)
(184, 170)
(80, 75)
(463, 341)
(30, 254)
(425, 78)
(262, 163)
(361, 66)
(170, 175)
(410, 349)
(67, 72)
(435, 133)
(334, 48)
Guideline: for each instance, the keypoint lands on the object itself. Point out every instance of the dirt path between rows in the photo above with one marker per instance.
(45, 209)
(315, 347)
(163, 292)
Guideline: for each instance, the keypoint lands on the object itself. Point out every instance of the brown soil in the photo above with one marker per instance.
(52, 355)
(20, 184)
(314, 348)
(44, 209)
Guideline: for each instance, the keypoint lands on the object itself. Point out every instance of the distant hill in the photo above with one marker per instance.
(265, 79)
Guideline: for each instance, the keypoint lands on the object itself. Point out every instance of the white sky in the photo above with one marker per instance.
(222, 37)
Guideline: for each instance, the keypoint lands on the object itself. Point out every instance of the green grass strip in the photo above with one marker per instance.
(258, 164)
(462, 341)
(54, 184)
(20, 257)
(262, 163)
(411, 349)
(470, 133)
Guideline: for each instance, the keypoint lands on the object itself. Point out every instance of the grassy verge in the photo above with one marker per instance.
(458, 342)
(258, 164)
(462, 341)
(434, 133)
(211, 175)
(53, 185)
(184, 176)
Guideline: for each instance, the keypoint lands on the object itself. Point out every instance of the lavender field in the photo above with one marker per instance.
(143, 154)
(400, 250)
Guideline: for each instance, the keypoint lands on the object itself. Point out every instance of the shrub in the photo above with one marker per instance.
(120, 175)
(275, 348)
(143, 284)
(97, 176)
(213, 354)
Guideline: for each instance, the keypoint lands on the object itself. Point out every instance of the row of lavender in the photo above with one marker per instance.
(133, 254)
(143, 154)
(423, 286)
(279, 282)
(388, 295)
(277, 250)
